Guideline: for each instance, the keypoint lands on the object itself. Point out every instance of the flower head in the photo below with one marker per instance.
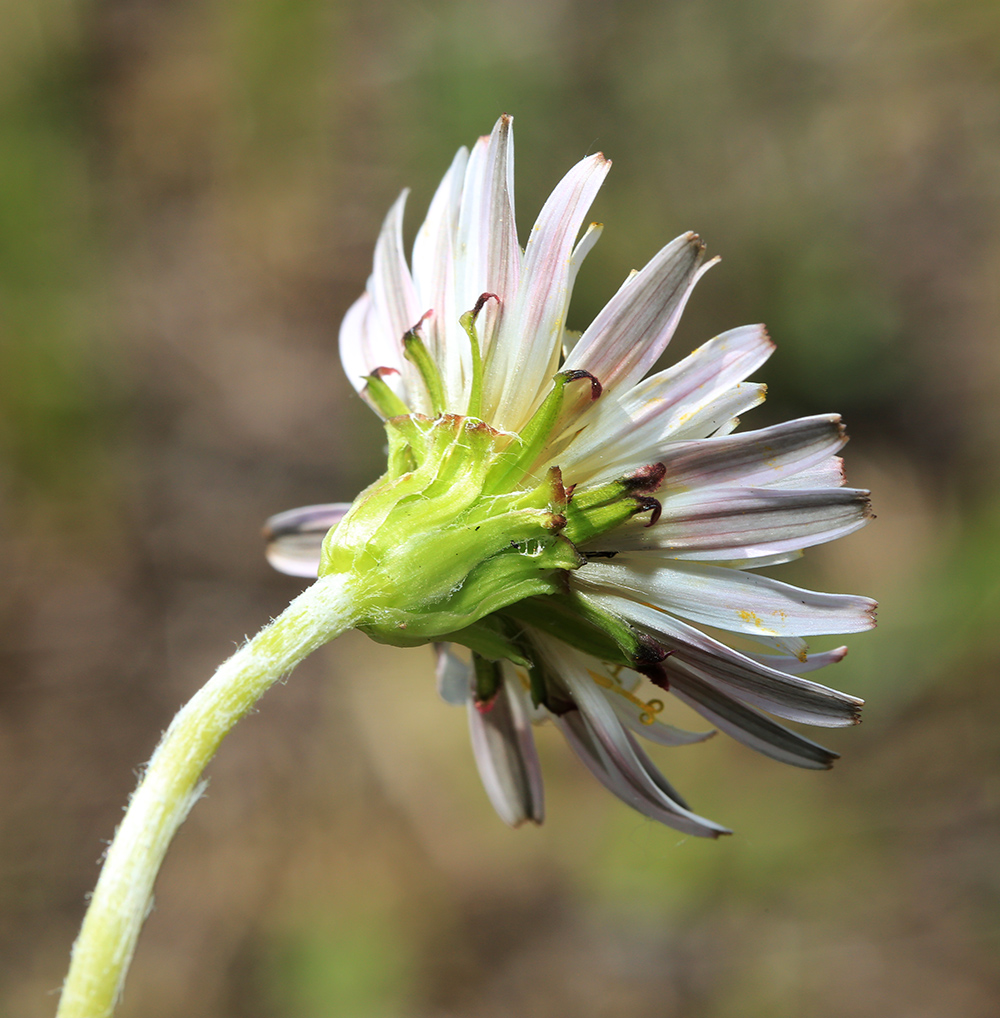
(568, 519)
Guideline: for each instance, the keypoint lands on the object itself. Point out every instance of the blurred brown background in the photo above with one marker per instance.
(189, 195)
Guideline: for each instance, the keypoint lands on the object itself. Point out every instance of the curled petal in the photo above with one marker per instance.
(295, 537)
(454, 676)
(505, 754)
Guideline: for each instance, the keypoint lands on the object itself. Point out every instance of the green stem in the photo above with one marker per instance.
(172, 784)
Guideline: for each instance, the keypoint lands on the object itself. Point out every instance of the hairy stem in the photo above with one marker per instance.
(172, 784)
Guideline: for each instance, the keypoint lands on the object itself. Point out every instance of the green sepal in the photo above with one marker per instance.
(547, 691)
(383, 398)
(490, 638)
(515, 461)
(488, 678)
(584, 524)
(468, 322)
(416, 353)
(509, 576)
(570, 617)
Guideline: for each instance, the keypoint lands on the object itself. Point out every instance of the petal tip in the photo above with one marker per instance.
(766, 338)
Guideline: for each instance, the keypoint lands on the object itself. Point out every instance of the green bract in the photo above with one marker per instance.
(458, 528)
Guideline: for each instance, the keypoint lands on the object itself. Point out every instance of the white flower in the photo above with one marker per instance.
(618, 512)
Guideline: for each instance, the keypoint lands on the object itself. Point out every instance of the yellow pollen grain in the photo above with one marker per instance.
(752, 617)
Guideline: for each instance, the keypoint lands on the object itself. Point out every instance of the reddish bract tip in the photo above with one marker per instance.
(646, 504)
(656, 674)
(647, 478)
(595, 386)
(481, 303)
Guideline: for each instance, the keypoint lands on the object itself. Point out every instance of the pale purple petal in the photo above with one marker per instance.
(295, 537)
(745, 523)
(488, 253)
(583, 248)
(394, 301)
(761, 562)
(828, 473)
(755, 458)
(632, 331)
(796, 665)
(733, 673)
(526, 351)
(747, 725)
(712, 420)
(362, 347)
(579, 733)
(652, 441)
(659, 732)
(454, 676)
(649, 414)
(624, 757)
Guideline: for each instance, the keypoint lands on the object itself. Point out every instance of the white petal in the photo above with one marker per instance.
(728, 598)
(295, 537)
(730, 523)
(525, 354)
(628, 336)
(357, 354)
(762, 562)
(505, 754)
(434, 271)
(394, 301)
(794, 646)
(710, 420)
(659, 732)
(623, 756)
(583, 248)
(653, 442)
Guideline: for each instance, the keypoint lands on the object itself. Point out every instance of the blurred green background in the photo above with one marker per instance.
(189, 195)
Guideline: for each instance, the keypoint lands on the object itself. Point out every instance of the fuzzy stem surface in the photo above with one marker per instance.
(172, 783)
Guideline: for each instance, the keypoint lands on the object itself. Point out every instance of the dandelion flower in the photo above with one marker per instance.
(570, 518)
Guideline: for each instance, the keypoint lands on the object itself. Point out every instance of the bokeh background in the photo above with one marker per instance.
(189, 194)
